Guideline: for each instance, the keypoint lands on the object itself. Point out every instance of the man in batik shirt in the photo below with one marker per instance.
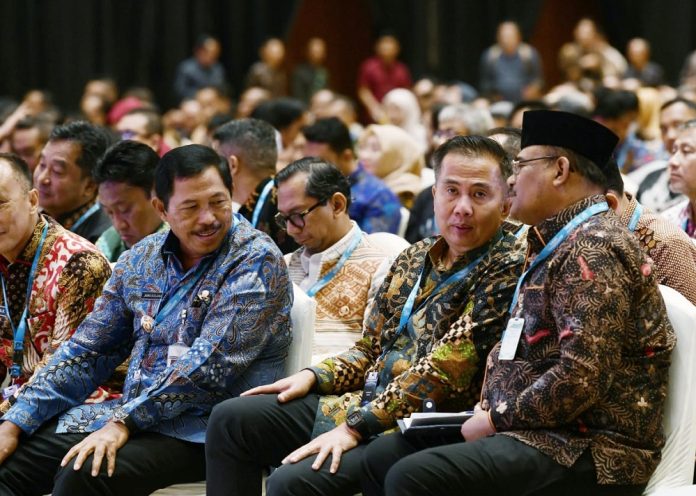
(573, 398)
(670, 249)
(203, 311)
(250, 147)
(65, 182)
(439, 311)
(50, 279)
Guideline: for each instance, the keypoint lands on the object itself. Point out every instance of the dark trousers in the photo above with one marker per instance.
(497, 464)
(147, 462)
(247, 435)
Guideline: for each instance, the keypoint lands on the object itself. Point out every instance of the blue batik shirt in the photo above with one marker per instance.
(237, 324)
(373, 205)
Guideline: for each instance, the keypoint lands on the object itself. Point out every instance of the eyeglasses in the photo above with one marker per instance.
(296, 220)
(518, 164)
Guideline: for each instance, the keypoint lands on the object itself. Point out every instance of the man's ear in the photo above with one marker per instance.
(233, 163)
(33, 201)
(561, 171)
(159, 206)
(339, 203)
(612, 200)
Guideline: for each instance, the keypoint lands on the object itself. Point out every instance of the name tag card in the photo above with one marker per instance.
(511, 338)
(174, 352)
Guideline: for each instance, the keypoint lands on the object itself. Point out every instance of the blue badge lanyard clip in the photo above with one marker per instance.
(18, 333)
(555, 241)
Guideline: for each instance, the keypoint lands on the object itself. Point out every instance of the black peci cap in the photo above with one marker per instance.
(584, 136)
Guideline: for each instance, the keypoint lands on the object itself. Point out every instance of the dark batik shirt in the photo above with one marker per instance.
(591, 367)
(441, 352)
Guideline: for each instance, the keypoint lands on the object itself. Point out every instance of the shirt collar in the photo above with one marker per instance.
(26, 256)
(67, 220)
(250, 204)
(170, 246)
(539, 235)
(333, 251)
(438, 250)
(628, 211)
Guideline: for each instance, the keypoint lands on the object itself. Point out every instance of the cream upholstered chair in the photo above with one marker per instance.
(676, 470)
(403, 223)
(390, 244)
(302, 316)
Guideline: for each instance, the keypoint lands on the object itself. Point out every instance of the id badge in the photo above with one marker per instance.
(174, 352)
(10, 391)
(370, 388)
(511, 338)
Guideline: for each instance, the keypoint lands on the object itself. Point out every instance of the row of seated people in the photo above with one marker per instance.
(200, 313)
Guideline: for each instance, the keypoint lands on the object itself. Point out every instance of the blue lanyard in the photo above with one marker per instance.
(557, 240)
(180, 293)
(407, 311)
(633, 223)
(521, 231)
(84, 216)
(260, 203)
(339, 265)
(18, 333)
(685, 225)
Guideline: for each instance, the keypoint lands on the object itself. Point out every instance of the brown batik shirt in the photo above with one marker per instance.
(592, 364)
(672, 251)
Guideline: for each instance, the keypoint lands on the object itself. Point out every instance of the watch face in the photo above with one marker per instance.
(353, 419)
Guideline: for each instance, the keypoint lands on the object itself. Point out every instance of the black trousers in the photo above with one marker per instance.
(497, 464)
(247, 435)
(147, 462)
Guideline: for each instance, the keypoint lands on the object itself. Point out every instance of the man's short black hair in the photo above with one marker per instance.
(92, 139)
(471, 146)
(614, 181)
(679, 99)
(128, 162)
(19, 168)
(331, 131)
(612, 104)
(253, 140)
(187, 161)
(323, 178)
(280, 112)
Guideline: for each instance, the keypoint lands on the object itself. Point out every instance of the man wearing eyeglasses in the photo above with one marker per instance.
(572, 402)
(441, 308)
(337, 264)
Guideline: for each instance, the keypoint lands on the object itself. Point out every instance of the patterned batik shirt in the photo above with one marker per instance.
(440, 353)
(591, 367)
(69, 277)
(343, 303)
(91, 227)
(672, 252)
(373, 205)
(112, 246)
(267, 215)
(235, 319)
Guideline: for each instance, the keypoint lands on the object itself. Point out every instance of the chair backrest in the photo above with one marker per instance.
(677, 466)
(403, 223)
(390, 244)
(303, 317)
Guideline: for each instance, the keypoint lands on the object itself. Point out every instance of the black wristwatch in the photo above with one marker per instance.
(357, 422)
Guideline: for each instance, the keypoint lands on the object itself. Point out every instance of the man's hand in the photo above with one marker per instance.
(289, 388)
(9, 439)
(106, 440)
(335, 442)
(477, 426)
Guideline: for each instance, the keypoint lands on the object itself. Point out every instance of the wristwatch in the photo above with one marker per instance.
(121, 416)
(357, 422)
